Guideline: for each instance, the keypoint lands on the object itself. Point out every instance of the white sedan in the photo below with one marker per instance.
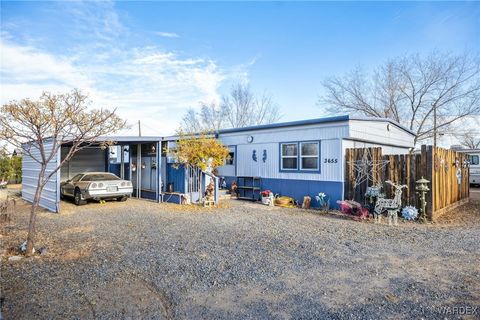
(97, 186)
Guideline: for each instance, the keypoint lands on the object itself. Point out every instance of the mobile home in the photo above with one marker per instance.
(303, 158)
(474, 159)
(296, 159)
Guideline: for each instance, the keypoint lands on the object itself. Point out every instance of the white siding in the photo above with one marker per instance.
(376, 132)
(50, 196)
(329, 135)
(385, 149)
(297, 133)
(229, 170)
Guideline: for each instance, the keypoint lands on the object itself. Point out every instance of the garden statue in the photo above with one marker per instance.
(234, 189)
(392, 206)
(209, 194)
(422, 189)
(209, 191)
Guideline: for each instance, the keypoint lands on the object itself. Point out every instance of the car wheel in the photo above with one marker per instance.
(78, 198)
(122, 199)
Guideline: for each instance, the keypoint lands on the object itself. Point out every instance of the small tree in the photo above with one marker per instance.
(54, 119)
(6, 168)
(16, 161)
(202, 151)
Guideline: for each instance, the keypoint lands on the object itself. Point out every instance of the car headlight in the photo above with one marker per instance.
(93, 185)
(123, 184)
(100, 185)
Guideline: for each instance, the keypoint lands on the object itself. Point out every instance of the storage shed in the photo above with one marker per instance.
(303, 158)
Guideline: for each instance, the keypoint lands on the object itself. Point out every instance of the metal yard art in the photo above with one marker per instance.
(365, 167)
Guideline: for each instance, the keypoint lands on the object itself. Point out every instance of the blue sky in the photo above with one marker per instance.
(153, 60)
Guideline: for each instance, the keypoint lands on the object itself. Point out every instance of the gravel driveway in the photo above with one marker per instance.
(243, 261)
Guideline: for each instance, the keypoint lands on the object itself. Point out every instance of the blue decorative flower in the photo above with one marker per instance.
(322, 199)
(409, 213)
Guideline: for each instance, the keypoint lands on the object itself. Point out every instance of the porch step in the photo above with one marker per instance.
(223, 194)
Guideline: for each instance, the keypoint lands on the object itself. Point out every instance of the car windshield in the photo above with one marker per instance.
(77, 177)
(100, 177)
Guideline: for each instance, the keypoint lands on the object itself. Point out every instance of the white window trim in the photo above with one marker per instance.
(310, 156)
(288, 157)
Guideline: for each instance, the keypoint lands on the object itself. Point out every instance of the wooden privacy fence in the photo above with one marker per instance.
(449, 187)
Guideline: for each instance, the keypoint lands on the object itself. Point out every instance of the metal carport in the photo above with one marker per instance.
(95, 158)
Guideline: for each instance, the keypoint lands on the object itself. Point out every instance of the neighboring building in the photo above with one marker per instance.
(294, 158)
(474, 159)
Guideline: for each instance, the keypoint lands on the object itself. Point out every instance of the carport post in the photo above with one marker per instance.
(139, 169)
(158, 171)
(122, 167)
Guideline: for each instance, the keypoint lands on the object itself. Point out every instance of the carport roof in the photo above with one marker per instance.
(134, 139)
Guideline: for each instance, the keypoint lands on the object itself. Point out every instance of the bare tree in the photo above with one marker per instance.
(56, 119)
(240, 108)
(244, 108)
(470, 139)
(209, 118)
(191, 122)
(410, 90)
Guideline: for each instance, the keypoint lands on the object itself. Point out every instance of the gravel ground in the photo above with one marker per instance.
(242, 261)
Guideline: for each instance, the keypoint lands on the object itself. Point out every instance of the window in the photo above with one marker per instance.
(309, 155)
(474, 160)
(302, 156)
(100, 177)
(114, 154)
(230, 158)
(289, 156)
(77, 177)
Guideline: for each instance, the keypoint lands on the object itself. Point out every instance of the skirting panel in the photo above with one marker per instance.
(297, 189)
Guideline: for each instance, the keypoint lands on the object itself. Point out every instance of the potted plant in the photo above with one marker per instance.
(266, 196)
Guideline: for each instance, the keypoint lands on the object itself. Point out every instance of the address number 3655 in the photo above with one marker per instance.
(330, 160)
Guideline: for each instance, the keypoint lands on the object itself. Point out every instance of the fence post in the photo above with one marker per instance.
(433, 183)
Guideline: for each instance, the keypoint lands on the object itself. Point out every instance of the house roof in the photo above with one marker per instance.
(312, 121)
(334, 119)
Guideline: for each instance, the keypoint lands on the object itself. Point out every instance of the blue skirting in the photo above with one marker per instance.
(171, 198)
(297, 189)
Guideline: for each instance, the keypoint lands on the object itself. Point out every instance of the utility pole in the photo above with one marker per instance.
(434, 124)
(139, 129)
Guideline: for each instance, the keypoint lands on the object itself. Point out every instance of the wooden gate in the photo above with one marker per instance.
(446, 170)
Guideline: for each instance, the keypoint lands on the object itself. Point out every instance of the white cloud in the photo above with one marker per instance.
(167, 34)
(146, 83)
